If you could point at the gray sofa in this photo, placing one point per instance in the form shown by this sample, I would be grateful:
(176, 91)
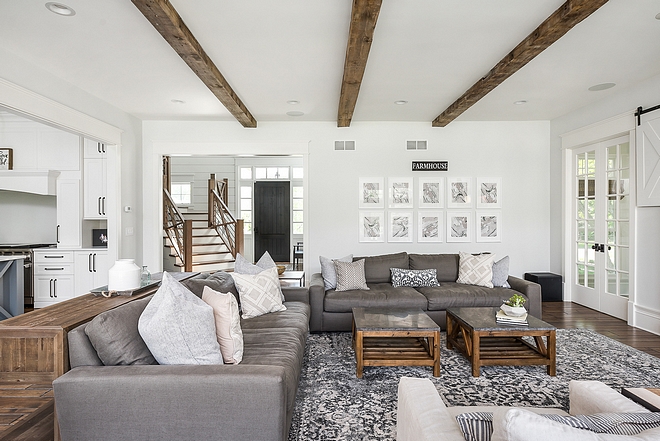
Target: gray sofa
(332, 310)
(251, 401)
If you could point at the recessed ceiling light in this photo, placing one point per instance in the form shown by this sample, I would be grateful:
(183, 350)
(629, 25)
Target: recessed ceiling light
(178, 101)
(519, 103)
(60, 9)
(602, 86)
(293, 102)
(295, 113)
(657, 17)
(400, 102)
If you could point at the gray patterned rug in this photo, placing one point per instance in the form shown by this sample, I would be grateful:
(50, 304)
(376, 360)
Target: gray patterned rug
(332, 404)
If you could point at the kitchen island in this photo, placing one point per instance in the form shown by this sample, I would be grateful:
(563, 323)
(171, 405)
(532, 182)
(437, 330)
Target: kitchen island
(11, 286)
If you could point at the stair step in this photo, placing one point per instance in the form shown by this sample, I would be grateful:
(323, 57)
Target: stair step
(210, 262)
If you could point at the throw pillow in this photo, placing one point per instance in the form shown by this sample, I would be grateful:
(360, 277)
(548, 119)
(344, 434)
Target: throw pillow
(227, 324)
(328, 270)
(242, 266)
(178, 327)
(350, 275)
(414, 278)
(476, 426)
(219, 281)
(612, 423)
(114, 334)
(476, 270)
(501, 273)
(260, 293)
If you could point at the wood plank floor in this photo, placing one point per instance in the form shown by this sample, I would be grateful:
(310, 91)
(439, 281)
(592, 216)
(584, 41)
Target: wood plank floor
(571, 315)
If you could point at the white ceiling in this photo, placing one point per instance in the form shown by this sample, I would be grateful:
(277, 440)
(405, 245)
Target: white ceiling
(427, 52)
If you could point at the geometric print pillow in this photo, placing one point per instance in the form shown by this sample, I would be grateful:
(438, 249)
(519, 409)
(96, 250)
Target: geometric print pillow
(260, 293)
(350, 275)
(476, 270)
(414, 278)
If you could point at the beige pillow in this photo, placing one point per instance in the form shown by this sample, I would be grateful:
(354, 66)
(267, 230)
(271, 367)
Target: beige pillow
(350, 275)
(227, 324)
(260, 293)
(476, 270)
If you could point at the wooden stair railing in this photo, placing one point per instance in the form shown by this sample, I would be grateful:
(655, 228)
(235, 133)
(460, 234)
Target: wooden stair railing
(178, 231)
(228, 228)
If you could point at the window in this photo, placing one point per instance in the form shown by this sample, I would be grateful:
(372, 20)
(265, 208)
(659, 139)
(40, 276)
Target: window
(246, 208)
(182, 193)
(297, 210)
(246, 173)
(297, 172)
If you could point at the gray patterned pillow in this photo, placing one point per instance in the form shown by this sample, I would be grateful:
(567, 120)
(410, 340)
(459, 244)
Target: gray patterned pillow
(476, 426)
(328, 270)
(414, 278)
(501, 273)
(350, 275)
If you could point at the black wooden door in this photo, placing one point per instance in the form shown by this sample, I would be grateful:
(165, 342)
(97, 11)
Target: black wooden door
(272, 220)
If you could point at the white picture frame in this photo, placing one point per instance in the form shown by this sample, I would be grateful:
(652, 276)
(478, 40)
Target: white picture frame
(489, 226)
(430, 226)
(430, 192)
(489, 192)
(371, 193)
(460, 192)
(400, 192)
(459, 226)
(400, 227)
(371, 226)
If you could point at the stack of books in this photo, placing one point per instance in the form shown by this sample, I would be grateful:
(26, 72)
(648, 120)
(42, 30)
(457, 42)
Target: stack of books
(504, 319)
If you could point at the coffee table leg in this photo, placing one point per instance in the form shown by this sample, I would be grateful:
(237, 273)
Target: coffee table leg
(436, 354)
(359, 353)
(476, 361)
(552, 354)
(450, 332)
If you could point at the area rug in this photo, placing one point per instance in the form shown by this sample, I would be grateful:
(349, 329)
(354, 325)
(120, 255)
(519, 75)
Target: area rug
(332, 404)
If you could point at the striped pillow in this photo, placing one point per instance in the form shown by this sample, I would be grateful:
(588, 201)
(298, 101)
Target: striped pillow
(476, 426)
(611, 423)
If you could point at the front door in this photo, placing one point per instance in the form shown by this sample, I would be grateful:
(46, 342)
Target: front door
(272, 220)
(601, 227)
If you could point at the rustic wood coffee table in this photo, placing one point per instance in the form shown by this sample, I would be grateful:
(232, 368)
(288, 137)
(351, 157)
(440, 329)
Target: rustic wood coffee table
(395, 337)
(475, 333)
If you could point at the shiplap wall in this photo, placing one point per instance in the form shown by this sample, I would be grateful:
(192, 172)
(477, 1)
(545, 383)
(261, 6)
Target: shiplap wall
(200, 168)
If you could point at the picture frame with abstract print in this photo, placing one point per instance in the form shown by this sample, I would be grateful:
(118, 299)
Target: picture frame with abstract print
(489, 192)
(459, 226)
(371, 226)
(400, 191)
(429, 226)
(371, 193)
(400, 228)
(430, 192)
(489, 226)
(460, 192)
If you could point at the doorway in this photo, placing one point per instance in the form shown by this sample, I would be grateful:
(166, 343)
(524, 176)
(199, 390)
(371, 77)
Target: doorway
(601, 226)
(272, 219)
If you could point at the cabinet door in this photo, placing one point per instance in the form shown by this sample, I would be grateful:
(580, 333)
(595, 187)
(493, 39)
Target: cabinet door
(68, 213)
(84, 272)
(94, 149)
(52, 289)
(101, 266)
(95, 194)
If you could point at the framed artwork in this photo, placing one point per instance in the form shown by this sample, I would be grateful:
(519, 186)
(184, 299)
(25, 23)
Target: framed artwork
(459, 192)
(371, 193)
(489, 192)
(371, 226)
(6, 158)
(400, 192)
(430, 192)
(401, 227)
(429, 226)
(459, 226)
(489, 226)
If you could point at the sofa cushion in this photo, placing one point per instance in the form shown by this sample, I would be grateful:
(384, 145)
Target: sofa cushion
(377, 268)
(227, 324)
(350, 275)
(452, 294)
(115, 337)
(219, 281)
(476, 269)
(178, 327)
(296, 315)
(380, 295)
(413, 278)
(260, 293)
(328, 271)
(501, 273)
(446, 265)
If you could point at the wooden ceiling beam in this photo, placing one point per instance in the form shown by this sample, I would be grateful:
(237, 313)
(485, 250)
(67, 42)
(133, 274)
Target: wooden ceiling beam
(552, 29)
(167, 21)
(363, 23)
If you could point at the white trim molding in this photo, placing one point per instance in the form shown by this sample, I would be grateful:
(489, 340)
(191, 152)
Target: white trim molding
(645, 318)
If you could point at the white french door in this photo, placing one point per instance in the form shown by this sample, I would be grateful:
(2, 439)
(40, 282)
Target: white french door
(601, 226)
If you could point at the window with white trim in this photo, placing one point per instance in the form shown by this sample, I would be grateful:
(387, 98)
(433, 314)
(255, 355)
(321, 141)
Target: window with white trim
(181, 193)
(297, 205)
(246, 208)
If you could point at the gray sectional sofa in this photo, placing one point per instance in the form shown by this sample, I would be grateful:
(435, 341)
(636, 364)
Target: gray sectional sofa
(332, 310)
(251, 401)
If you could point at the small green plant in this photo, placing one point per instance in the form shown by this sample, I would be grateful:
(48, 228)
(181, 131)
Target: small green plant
(516, 300)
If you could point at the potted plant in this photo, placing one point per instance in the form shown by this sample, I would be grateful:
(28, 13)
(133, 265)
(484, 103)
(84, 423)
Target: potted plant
(514, 306)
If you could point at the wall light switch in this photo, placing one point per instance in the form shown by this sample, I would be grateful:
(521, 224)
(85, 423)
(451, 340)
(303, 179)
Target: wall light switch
(129, 231)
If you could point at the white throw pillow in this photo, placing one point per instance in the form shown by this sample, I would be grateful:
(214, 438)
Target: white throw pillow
(260, 293)
(178, 327)
(227, 324)
(328, 270)
(350, 275)
(243, 266)
(476, 270)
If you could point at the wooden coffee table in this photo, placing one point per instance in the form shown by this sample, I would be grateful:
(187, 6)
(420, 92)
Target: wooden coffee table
(475, 333)
(395, 337)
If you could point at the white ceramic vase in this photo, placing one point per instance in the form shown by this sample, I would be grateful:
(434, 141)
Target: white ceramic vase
(124, 275)
(513, 311)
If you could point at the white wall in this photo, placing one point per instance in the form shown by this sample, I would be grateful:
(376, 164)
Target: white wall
(516, 151)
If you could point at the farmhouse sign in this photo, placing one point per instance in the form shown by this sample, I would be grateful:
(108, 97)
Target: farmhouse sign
(430, 166)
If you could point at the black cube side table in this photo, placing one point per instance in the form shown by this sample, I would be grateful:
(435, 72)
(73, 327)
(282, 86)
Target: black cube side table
(552, 289)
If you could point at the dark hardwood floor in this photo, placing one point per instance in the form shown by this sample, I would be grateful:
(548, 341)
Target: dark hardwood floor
(572, 315)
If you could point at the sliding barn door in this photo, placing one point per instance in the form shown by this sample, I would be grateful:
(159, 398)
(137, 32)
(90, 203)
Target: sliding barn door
(648, 160)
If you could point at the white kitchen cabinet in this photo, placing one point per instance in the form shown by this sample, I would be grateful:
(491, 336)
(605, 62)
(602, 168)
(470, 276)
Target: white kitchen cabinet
(68, 214)
(91, 270)
(53, 277)
(94, 149)
(95, 177)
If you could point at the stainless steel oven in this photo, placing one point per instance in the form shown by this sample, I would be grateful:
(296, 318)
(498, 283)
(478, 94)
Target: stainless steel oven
(28, 269)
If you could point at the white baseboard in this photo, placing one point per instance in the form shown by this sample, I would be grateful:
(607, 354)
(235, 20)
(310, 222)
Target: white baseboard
(646, 318)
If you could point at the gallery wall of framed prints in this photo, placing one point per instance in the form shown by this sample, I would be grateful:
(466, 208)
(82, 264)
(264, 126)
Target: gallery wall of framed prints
(430, 209)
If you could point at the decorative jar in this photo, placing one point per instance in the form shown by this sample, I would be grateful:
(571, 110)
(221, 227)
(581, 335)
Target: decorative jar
(124, 275)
